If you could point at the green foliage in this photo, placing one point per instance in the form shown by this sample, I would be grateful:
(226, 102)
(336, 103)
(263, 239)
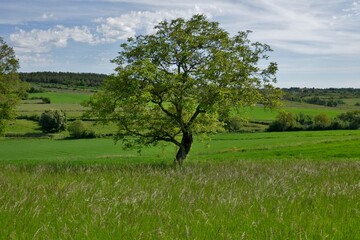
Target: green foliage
(181, 80)
(52, 121)
(321, 121)
(77, 129)
(317, 100)
(351, 119)
(285, 121)
(46, 100)
(64, 78)
(11, 88)
(234, 124)
(326, 97)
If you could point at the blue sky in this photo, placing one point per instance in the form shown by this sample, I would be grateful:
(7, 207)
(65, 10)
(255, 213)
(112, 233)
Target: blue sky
(315, 43)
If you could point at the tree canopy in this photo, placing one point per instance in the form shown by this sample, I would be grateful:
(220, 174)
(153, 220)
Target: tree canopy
(11, 88)
(182, 80)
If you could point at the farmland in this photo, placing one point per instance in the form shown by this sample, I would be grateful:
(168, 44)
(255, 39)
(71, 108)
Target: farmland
(287, 185)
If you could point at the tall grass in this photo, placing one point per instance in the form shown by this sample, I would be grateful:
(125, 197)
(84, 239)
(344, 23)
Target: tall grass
(237, 200)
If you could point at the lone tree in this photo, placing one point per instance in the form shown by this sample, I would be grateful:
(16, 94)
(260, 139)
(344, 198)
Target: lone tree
(11, 88)
(182, 80)
(53, 121)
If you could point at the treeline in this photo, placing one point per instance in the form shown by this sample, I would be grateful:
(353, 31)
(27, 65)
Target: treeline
(330, 97)
(64, 78)
(287, 121)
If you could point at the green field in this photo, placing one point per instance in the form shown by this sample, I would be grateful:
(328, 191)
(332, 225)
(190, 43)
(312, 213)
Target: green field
(287, 185)
(297, 185)
(63, 96)
(320, 145)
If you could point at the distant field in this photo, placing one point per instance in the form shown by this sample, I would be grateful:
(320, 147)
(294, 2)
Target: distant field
(63, 97)
(319, 145)
(68, 101)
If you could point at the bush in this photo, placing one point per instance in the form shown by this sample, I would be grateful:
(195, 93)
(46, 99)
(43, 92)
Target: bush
(52, 121)
(45, 100)
(233, 124)
(285, 121)
(321, 121)
(351, 119)
(77, 129)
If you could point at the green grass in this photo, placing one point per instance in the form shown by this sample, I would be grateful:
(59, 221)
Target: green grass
(68, 101)
(72, 109)
(294, 185)
(319, 145)
(238, 200)
(22, 126)
(63, 97)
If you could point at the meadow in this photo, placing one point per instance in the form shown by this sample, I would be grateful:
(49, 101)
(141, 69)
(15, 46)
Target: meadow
(288, 185)
(297, 185)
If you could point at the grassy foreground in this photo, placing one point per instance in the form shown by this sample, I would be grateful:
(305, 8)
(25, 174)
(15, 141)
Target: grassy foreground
(295, 185)
(238, 200)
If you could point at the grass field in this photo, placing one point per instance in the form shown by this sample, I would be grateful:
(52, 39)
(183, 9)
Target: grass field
(290, 185)
(328, 145)
(295, 185)
(63, 97)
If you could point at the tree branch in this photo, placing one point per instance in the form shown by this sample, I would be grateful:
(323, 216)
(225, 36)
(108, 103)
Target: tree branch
(195, 115)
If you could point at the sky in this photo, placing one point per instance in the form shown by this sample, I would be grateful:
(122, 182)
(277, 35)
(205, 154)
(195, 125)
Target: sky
(316, 43)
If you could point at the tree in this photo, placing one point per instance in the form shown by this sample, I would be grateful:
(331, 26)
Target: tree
(180, 81)
(11, 88)
(350, 119)
(285, 121)
(77, 129)
(52, 121)
(321, 121)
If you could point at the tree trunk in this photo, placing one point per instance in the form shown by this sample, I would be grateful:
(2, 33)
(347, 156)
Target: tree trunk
(184, 149)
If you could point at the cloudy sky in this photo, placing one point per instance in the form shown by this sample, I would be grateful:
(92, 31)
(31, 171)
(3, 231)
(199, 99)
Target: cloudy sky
(316, 43)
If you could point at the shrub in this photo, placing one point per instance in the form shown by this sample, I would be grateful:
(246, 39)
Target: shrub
(233, 124)
(321, 121)
(351, 119)
(285, 121)
(77, 129)
(45, 100)
(53, 121)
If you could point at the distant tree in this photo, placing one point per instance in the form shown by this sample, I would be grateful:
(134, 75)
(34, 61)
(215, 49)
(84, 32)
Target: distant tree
(285, 121)
(180, 81)
(350, 119)
(77, 129)
(52, 121)
(64, 78)
(304, 120)
(321, 121)
(11, 88)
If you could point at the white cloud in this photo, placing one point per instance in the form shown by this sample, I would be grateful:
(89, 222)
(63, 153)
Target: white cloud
(305, 27)
(47, 16)
(108, 30)
(40, 41)
(128, 25)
